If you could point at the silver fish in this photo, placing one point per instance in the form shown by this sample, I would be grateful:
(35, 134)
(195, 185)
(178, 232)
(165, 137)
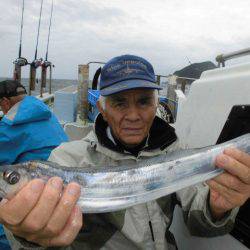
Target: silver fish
(110, 188)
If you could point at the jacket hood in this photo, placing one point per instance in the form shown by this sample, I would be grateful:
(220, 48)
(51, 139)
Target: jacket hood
(30, 109)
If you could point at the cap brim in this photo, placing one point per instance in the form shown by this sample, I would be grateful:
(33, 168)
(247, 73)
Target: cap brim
(128, 85)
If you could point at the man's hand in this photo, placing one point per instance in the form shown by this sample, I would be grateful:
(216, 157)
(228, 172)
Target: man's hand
(232, 188)
(45, 214)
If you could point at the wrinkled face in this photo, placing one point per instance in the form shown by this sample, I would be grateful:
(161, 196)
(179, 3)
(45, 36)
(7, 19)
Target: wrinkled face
(130, 115)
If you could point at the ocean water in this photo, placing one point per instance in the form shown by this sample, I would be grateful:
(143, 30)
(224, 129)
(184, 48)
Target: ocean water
(56, 84)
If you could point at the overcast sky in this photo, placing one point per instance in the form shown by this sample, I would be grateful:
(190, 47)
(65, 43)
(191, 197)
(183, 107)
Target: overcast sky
(166, 32)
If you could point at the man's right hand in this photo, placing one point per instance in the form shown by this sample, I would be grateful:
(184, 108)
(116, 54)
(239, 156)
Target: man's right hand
(44, 213)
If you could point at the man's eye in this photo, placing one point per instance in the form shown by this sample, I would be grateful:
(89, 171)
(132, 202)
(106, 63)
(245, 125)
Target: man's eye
(145, 101)
(120, 104)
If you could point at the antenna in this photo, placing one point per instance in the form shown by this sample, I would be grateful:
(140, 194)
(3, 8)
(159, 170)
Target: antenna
(188, 60)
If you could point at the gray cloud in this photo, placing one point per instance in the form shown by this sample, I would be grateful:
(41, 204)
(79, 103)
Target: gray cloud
(87, 12)
(165, 32)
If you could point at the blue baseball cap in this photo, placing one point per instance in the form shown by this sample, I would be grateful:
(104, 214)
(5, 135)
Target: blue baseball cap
(126, 72)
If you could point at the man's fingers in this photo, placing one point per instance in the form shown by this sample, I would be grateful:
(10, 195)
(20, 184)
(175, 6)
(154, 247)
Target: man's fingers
(239, 155)
(63, 210)
(232, 182)
(15, 210)
(234, 167)
(232, 197)
(71, 229)
(41, 213)
(69, 233)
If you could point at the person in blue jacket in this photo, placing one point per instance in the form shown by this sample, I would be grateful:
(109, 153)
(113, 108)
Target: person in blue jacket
(28, 130)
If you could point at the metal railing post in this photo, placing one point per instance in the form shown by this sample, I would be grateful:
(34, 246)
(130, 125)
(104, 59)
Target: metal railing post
(83, 81)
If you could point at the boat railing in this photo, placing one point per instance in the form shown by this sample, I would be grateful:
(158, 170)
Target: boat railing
(95, 63)
(221, 59)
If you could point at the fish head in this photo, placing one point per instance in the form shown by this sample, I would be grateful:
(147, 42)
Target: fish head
(12, 179)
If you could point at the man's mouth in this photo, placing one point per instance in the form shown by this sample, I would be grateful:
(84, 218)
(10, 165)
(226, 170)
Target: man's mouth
(132, 130)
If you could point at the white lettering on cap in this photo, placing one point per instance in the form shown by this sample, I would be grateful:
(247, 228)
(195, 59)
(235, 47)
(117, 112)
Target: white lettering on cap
(135, 62)
(113, 67)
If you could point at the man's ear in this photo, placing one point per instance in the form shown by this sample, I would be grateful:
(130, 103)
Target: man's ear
(101, 110)
(5, 99)
(5, 105)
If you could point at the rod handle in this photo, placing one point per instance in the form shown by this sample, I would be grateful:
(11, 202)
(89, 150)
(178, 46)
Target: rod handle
(32, 80)
(43, 77)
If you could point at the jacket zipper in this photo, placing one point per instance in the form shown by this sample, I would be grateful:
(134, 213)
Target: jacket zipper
(151, 230)
(150, 225)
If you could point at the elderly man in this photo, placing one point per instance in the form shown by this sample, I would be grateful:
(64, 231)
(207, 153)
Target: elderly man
(126, 131)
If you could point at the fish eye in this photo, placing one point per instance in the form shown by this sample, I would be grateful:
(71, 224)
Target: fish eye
(11, 177)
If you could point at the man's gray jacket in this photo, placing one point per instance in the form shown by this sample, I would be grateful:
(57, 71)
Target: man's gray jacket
(143, 226)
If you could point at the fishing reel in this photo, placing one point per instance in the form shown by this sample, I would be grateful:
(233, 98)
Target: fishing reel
(37, 63)
(46, 64)
(21, 61)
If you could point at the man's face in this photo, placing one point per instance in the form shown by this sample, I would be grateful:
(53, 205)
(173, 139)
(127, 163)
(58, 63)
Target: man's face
(130, 115)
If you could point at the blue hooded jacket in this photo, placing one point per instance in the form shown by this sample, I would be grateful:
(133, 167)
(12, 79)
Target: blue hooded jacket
(29, 131)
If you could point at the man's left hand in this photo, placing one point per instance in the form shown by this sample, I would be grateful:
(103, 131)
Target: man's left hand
(232, 188)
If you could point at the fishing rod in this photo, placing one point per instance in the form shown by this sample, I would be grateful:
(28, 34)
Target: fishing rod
(20, 61)
(47, 63)
(36, 62)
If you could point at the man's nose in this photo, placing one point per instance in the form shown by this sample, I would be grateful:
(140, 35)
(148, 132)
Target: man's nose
(133, 113)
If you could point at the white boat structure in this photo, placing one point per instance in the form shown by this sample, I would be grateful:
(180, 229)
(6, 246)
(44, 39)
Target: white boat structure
(216, 109)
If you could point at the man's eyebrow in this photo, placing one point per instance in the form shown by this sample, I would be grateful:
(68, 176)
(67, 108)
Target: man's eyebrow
(117, 98)
(146, 97)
